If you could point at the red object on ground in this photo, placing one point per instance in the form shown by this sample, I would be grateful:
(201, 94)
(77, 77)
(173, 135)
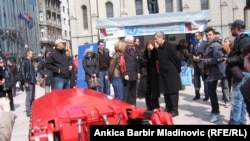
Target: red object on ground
(64, 115)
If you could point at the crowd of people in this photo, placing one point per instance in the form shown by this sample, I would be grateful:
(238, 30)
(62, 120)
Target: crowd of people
(146, 72)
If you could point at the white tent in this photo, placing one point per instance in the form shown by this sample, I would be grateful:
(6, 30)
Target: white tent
(154, 19)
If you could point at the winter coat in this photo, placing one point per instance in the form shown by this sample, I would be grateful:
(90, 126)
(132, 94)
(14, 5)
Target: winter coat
(214, 68)
(169, 69)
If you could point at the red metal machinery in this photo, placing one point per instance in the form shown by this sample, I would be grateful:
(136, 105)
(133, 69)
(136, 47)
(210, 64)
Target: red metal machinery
(64, 115)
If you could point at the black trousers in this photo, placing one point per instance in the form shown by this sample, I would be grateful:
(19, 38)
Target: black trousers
(10, 96)
(198, 74)
(212, 91)
(129, 94)
(171, 102)
(152, 103)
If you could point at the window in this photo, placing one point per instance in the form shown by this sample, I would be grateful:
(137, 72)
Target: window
(63, 9)
(64, 21)
(169, 5)
(41, 16)
(85, 17)
(65, 32)
(109, 10)
(138, 7)
(42, 32)
(179, 5)
(204, 4)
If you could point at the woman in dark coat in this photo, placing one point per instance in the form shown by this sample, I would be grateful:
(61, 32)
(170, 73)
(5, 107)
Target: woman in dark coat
(46, 73)
(149, 78)
(90, 65)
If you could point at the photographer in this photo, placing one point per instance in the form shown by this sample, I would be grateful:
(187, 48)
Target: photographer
(235, 70)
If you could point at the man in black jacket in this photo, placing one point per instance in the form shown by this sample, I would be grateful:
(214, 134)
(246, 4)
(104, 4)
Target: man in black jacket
(169, 73)
(29, 78)
(235, 62)
(60, 65)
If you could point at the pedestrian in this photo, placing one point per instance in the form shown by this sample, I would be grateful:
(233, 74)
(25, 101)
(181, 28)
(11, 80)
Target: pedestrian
(72, 75)
(103, 58)
(60, 66)
(245, 87)
(149, 76)
(90, 66)
(199, 75)
(169, 73)
(117, 69)
(234, 70)
(9, 83)
(214, 69)
(29, 78)
(132, 74)
(46, 73)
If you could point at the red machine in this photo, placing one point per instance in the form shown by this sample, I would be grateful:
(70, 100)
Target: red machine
(66, 115)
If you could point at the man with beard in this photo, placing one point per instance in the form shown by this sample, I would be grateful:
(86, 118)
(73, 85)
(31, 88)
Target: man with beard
(235, 70)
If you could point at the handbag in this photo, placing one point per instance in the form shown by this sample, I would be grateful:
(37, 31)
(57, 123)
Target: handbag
(94, 82)
(186, 76)
(41, 82)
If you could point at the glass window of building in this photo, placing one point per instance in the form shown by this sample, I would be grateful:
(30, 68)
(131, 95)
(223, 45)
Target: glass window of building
(169, 5)
(85, 17)
(179, 5)
(138, 7)
(204, 4)
(109, 10)
(40, 16)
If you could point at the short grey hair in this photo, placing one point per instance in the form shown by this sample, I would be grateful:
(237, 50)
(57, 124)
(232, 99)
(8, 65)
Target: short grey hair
(160, 34)
(129, 38)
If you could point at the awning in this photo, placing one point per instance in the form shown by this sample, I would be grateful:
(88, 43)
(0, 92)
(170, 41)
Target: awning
(155, 19)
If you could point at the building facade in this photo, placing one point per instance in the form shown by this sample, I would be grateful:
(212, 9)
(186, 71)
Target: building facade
(18, 28)
(84, 14)
(65, 22)
(49, 22)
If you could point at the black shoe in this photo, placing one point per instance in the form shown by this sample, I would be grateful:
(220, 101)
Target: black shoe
(196, 98)
(174, 114)
(205, 99)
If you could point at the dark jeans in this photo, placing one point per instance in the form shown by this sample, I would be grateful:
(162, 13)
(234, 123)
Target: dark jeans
(212, 91)
(30, 97)
(61, 83)
(105, 85)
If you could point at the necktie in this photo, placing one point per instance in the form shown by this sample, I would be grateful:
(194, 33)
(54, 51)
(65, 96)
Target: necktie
(132, 52)
(197, 47)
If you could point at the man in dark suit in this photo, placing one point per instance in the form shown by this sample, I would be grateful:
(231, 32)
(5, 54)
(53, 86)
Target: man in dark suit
(131, 75)
(198, 52)
(169, 73)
